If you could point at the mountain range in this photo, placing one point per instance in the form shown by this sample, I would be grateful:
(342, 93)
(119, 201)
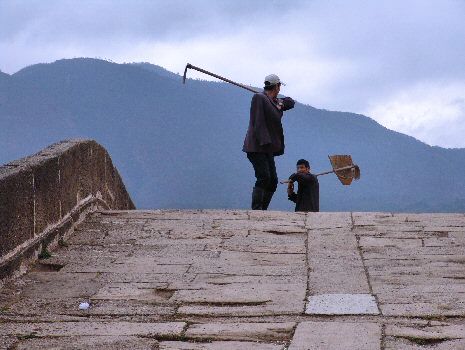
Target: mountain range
(179, 146)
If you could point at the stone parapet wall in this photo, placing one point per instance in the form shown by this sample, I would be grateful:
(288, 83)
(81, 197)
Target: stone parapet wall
(43, 196)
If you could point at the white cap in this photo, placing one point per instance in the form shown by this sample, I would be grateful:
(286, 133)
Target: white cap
(272, 79)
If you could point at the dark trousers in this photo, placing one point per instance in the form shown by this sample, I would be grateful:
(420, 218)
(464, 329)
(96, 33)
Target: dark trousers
(265, 171)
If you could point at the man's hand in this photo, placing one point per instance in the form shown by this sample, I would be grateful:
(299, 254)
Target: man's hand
(290, 188)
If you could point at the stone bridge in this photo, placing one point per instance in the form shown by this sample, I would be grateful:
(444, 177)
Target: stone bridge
(214, 279)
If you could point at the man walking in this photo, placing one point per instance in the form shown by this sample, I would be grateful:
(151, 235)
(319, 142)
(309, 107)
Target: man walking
(307, 197)
(265, 139)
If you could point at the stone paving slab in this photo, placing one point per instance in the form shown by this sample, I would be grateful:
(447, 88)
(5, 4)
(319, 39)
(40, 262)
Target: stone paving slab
(230, 279)
(427, 332)
(336, 336)
(219, 345)
(444, 336)
(92, 328)
(419, 344)
(84, 342)
(334, 259)
(242, 331)
(342, 304)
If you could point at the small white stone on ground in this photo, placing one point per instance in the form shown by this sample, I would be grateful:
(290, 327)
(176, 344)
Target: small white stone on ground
(84, 306)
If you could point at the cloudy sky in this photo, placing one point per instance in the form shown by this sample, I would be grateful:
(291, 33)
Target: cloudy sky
(399, 62)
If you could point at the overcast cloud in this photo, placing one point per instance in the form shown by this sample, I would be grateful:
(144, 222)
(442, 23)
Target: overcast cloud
(399, 62)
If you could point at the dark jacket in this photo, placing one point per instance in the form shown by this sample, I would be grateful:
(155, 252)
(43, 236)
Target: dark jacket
(265, 132)
(308, 194)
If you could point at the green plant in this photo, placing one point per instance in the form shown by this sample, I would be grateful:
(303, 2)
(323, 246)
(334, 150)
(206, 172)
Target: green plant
(4, 309)
(31, 335)
(45, 254)
(63, 243)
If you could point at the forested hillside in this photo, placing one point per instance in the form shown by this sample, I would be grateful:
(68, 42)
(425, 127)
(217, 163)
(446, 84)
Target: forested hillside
(179, 146)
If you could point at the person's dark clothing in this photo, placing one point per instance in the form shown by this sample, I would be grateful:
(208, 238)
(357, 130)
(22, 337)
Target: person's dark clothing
(263, 141)
(265, 171)
(265, 132)
(261, 199)
(308, 193)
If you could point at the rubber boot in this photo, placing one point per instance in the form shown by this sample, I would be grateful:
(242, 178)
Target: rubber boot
(257, 198)
(267, 199)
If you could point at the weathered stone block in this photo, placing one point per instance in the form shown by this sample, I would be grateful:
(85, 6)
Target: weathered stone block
(46, 194)
(42, 196)
(16, 208)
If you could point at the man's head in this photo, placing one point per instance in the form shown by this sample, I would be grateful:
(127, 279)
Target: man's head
(273, 83)
(303, 166)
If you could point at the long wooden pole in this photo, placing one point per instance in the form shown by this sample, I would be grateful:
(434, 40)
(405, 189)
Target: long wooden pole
(216, 76)
(325, 173)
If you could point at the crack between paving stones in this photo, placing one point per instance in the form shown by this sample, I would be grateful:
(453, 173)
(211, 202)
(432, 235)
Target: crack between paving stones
(365, 268)
(207, 340)
(261, 252)
(425, 341)
(226, 303)
(307, 266)
(288, 343)
(272, 318)
(383, 337)
(243, 275)
(184, 329)
(283, 233)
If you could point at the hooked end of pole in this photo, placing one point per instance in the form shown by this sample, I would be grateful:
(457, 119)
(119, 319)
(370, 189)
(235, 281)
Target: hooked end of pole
(185, 72)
